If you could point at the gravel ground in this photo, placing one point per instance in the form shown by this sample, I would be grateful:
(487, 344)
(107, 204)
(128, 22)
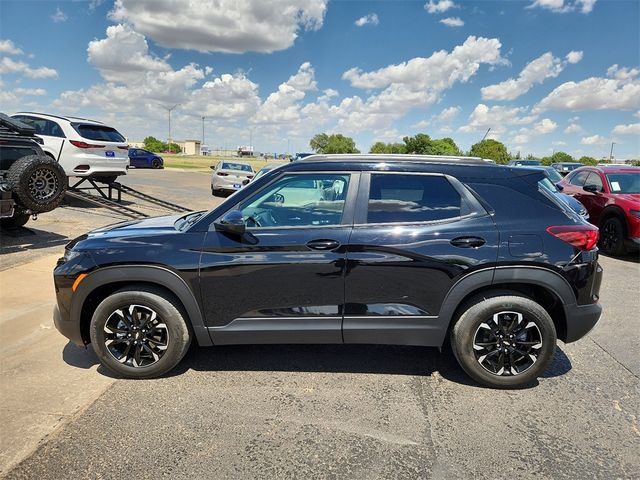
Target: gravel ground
(352, 411)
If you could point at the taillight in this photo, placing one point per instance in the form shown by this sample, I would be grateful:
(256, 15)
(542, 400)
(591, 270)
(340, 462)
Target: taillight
(584, 237)
(78, 144)
(222, 174)
(123, 147)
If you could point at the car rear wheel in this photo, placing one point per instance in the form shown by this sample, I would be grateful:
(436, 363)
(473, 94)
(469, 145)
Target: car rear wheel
(139, 332)
(612, 237)
(505, 341)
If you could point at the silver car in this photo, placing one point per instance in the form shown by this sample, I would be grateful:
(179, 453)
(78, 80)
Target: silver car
(228, 176)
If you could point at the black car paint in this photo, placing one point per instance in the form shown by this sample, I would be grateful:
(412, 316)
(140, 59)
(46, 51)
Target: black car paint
(388, 283)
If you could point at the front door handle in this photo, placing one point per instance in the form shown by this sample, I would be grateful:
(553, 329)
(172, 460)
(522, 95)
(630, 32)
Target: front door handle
(323, 244)
(468, 242)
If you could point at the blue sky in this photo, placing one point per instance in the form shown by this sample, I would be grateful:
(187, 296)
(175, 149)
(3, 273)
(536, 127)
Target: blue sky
(544, 75)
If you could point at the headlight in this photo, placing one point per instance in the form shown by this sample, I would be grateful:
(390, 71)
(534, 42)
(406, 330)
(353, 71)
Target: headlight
(70, 254)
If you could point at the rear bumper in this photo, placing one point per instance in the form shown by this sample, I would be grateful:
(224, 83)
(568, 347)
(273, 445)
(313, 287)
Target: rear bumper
(580, 320)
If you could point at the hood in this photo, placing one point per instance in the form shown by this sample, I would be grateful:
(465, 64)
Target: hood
(154, 226)
(633, 198)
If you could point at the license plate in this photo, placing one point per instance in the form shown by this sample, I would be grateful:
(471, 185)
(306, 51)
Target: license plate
(237, 185)
(110, 153)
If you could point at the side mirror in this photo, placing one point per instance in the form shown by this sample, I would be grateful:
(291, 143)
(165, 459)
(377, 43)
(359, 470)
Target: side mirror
(591, 188)
(559, 186)
(231, 222)
(212, 167)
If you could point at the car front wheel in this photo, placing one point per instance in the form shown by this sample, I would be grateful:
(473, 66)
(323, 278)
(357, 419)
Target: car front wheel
(139, 332)
(505, 341)
(612, 237)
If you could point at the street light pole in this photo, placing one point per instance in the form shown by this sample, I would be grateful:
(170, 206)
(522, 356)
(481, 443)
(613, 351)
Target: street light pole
(611, 152)
(169, 110)
(202, 131)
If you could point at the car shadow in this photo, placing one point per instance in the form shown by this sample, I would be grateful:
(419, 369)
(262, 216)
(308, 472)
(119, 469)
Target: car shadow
(26, 238)
(633, 257)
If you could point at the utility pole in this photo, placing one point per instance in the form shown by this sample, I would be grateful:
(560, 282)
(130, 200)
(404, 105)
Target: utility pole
(611, 152)
(485, 135)
(202, 131)
(169, 111)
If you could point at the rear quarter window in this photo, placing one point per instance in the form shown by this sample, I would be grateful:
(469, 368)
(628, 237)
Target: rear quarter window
(98, 132)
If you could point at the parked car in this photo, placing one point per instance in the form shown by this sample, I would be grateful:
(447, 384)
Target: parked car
(30, 181)
(566, 167)
(397, 249)
(229, 176)
(524, 163)
(300, 156)
(611, 195)
(141, 158)
(267, 168)
(556, 188)
(84, 148)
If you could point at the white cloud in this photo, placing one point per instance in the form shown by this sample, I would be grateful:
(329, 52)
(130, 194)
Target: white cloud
(452, 22)
(222, 25)
(621, 91)
(59, 16)
(574, 56)
(564, 6)
(371, 19)
(439, 6)
(535, 72)
(34, 92)
(123, 54)
(93, 4)
(573, 128)
(545, 126)
(498, 118)
(7, 65)
(594, 140)
(415, 83)
(8, 47)
(630, 129)
(448, 114)
(282, 106)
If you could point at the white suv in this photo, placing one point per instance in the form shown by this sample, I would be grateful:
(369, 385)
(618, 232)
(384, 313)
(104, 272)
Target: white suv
(84, 148)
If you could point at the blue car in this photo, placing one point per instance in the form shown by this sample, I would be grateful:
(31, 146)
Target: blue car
(140, 158)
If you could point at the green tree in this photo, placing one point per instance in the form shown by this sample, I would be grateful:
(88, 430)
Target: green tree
(381, 147)
(423, 144)
(558, 157)
(154, 145)
(588, 160)
(334, 143)
(492, 149)
(173, 147)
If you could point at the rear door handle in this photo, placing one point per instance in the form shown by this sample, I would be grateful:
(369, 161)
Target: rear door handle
(323, 244)
(468, 242)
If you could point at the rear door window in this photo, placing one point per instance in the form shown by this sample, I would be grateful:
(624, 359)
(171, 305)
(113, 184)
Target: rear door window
(397, 198)
(98, 132)
(579, 178)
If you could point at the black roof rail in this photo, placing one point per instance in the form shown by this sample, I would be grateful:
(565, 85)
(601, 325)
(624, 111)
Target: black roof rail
(394, 157)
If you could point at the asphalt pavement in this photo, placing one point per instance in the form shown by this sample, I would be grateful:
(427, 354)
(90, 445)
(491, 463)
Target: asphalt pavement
(337, 411)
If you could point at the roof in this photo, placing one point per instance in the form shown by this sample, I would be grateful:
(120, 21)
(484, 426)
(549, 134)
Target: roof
(617, 168)
(382, 157)
(61, 117)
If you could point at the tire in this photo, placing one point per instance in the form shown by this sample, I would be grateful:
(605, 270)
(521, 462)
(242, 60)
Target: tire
(155, 163)
(612, 237)
(16, 221)
(473, 339)
(107, 179)
(169, 340)
(38, 181)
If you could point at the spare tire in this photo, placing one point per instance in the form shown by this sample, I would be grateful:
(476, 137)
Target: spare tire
(38, 182)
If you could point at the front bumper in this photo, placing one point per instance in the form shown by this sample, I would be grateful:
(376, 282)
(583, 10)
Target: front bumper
(66, 327)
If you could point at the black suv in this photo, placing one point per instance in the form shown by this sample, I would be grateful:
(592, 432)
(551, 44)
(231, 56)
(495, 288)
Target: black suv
(375, 249)
(30, 181)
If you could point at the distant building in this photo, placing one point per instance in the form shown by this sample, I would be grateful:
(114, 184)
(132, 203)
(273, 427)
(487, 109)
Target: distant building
(245, 151)
(189, 147)
(133, 144)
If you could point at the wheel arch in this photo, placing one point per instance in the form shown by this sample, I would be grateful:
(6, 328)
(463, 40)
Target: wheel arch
(614, 211)
(103, 282)
(544, 286)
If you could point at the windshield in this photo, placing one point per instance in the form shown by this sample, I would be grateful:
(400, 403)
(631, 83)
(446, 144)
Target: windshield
(624, 182)
(98, 132)
(243, 167)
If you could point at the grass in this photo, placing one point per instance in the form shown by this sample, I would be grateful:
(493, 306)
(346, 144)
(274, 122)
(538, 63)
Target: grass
(201, 163)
